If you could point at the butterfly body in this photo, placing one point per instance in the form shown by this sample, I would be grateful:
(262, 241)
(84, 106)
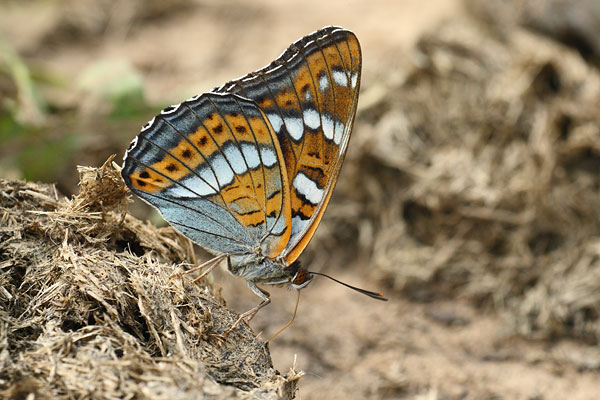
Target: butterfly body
(247, 170)
(257, 268)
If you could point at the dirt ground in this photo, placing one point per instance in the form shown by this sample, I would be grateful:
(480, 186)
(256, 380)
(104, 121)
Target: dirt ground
(485, 237)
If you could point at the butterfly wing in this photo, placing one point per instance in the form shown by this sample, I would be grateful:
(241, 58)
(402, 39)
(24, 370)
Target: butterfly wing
(309, 94)
(212, 166)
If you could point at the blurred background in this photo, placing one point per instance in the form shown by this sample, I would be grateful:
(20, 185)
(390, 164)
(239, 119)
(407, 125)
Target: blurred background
(470, 193)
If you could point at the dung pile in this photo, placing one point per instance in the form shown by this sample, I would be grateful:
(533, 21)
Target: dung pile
(479, 175)
(87, 308)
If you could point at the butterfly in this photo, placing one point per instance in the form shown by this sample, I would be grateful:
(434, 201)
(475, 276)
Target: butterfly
(247, 170)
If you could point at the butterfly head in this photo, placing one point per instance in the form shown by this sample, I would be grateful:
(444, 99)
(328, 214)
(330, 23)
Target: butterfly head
(301, 278)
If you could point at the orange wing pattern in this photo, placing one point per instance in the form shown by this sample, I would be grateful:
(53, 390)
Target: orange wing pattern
(213, 167)
(309, 94)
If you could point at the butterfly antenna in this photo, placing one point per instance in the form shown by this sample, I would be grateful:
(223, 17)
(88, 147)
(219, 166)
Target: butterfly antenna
(374, 295)
(291, 320)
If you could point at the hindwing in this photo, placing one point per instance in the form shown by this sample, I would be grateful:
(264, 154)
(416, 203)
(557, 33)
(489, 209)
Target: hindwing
(309, 94)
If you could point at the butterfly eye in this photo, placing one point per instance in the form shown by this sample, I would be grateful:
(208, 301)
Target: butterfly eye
(301, 279)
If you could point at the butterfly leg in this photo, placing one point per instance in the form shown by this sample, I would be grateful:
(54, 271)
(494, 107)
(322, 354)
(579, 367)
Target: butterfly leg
(209, 265)
(248, 315)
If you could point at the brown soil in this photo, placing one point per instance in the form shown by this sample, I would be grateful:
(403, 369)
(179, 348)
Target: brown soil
(470, 194)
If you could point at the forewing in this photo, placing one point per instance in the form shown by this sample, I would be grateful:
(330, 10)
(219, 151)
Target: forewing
(309, 94)
(212, 166)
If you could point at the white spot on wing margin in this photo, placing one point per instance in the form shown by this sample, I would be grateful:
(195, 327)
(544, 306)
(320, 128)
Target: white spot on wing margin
(307, 188)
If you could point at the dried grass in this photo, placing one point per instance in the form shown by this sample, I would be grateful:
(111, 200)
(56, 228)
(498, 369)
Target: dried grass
(88, 309)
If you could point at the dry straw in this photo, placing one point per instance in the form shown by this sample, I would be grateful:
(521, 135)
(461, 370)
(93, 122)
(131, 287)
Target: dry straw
(88, 309)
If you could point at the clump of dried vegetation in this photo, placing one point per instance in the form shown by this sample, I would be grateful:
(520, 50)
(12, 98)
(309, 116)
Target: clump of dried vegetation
(88, 309)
